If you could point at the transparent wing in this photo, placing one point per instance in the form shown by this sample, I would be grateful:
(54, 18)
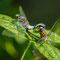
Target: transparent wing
(53, 27)
(57, 27)
(21, 11)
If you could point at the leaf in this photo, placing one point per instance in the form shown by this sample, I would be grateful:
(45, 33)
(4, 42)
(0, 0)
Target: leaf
(18, 39)
(54, 38)
(8, 33)
(48, 51)
(6, 22)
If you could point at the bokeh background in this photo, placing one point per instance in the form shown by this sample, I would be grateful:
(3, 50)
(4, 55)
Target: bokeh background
(36, 11)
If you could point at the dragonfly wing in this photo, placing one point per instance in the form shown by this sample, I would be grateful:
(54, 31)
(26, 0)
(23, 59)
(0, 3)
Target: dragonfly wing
(57, 27)
(49, 33)
(22, 12)
(26, 22)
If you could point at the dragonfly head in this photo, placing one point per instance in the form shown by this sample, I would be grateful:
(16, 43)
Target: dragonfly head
(17, 15)
(41, 25)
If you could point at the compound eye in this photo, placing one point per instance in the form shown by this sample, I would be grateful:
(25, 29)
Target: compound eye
(41, 25)
(17, 15)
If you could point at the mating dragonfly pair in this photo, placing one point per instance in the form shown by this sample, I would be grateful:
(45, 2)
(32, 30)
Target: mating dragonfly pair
(41, 28)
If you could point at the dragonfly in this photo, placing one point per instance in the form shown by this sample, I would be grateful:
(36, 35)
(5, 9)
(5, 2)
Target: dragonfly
(43, 35)
(40, 27)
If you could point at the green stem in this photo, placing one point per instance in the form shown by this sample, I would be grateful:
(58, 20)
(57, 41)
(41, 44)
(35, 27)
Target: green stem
(25, 51)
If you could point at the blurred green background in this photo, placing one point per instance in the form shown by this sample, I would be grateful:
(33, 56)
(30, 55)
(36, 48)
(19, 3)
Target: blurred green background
(37, 11)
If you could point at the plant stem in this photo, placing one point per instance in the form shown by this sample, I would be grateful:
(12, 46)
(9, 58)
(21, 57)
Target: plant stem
(25, 51)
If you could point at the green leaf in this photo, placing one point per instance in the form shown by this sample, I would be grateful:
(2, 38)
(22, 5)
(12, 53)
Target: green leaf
(18, 39)
(6, 22)
(8, 33)
(54, 38)
(48, 51)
